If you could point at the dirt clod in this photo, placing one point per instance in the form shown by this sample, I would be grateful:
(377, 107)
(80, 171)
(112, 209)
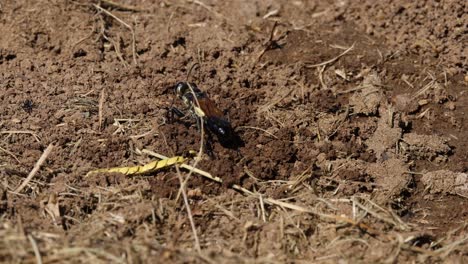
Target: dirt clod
(446, 182)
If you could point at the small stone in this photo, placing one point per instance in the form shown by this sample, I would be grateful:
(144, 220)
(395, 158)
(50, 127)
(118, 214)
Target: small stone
(451, 106)
(423, 102)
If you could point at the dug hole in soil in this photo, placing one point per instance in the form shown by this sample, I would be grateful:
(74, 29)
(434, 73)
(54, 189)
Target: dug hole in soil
(352, 117)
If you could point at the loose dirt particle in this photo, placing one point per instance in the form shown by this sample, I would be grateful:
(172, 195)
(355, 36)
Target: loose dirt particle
(367, 99)
(385, 137)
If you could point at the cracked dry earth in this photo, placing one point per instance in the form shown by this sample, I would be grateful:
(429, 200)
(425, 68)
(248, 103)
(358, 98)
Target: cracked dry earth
(352, 114)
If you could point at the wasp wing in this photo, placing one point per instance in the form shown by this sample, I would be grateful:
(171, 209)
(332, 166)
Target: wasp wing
(214, 118)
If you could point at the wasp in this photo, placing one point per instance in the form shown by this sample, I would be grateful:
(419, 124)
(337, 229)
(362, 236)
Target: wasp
(205, 111)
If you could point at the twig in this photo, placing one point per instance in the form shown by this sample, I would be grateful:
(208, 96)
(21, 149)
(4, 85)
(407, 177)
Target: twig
(126, 25)
(207, 8)
(119, 6)
(353, 89)
(83, 39)
(36, 167)
(88, 251)
(395, 217)
(135, 137)
(268, 44)
(340, 122)
(271, 13)
(404, 78)
(101, 105)
(227, 212)
(117, 49)
(202, 129)
(445, 251)
(424, 89)
(37, 253)
(320, 71)
(377, 215)
(258, 128)
(302, 90)
(10, 153)
(10, 132)
(262, 207)
(332, 60)
(189, 211)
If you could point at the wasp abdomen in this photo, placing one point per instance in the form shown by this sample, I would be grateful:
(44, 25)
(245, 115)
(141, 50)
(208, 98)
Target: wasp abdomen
(219, 126)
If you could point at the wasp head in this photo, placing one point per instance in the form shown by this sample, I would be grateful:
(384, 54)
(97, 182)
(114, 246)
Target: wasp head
(181, 88)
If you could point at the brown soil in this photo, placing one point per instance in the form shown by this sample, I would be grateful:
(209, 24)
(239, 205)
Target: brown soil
(354, 112)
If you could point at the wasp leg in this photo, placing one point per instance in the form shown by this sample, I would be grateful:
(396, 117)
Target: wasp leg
(172, 112)
(209, 145)
(177, 112)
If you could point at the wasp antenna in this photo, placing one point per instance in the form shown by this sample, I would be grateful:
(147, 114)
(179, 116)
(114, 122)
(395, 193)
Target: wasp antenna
(196, 64)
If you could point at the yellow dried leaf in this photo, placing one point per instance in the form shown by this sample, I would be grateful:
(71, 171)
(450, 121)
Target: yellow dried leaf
(148, 168)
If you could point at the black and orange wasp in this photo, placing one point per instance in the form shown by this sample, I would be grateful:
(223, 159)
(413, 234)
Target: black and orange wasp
(204, 110)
